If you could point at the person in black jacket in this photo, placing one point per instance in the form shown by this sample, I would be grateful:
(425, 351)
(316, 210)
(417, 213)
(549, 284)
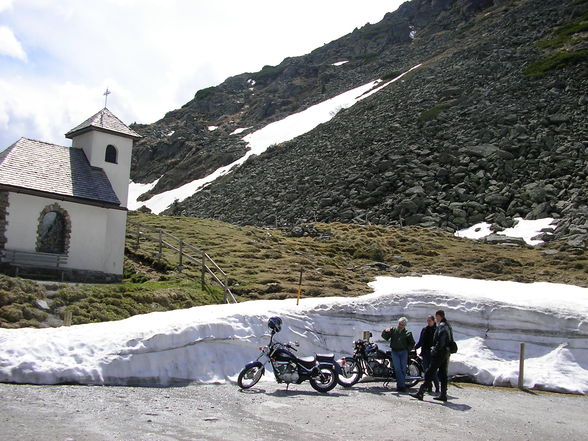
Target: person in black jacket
(425, 343)
(439, 358)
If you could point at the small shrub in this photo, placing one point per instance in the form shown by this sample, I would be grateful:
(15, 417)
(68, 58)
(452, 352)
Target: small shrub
(557, 61)
(434, 112)
(139, 278)
(11, 313)
(267, 73)
(206, 93)
(339, 285)
(128, 271)
(370, 253)
(312, 292)
(391, 75)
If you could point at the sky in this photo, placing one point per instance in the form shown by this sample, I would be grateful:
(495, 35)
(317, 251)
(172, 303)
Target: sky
(210, 344)
(58, 57)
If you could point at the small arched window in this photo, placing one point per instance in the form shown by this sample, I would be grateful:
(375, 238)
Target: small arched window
(111, 154)
(52, 231)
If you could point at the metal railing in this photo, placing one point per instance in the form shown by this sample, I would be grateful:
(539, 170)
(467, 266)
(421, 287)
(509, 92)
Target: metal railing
(139, 232)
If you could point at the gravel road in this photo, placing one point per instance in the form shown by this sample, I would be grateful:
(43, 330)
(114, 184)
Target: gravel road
(368, 411)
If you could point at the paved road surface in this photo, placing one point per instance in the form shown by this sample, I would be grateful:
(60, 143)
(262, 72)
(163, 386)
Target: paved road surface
(367, 411)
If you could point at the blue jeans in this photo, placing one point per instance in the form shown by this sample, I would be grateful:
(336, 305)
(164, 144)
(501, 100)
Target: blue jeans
(400, 361)
(426, 355)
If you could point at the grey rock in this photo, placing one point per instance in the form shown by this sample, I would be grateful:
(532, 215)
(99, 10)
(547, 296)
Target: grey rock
(500, 239)
(42, 304)
(400, 269)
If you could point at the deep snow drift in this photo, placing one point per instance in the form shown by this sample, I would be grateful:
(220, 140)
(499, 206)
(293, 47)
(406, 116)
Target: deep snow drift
(212, 343)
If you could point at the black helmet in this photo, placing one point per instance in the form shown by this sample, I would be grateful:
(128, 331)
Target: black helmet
(275, 324)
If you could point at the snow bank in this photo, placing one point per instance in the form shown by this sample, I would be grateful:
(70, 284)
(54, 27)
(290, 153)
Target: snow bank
(212, 343)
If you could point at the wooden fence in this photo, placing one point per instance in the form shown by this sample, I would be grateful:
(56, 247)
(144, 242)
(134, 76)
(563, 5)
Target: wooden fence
(186, 252)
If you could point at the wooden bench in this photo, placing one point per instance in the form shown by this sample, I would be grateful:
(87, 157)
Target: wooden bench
(31, 259)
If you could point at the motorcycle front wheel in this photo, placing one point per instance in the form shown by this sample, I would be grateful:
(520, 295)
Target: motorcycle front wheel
(325, 381)
(350, 372)
(249, 377)
(414, 374)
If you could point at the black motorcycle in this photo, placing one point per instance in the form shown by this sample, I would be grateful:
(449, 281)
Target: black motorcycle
(369, 360)
(287, 367)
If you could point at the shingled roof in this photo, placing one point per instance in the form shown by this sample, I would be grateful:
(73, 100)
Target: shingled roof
(103, 121)
(48, 168)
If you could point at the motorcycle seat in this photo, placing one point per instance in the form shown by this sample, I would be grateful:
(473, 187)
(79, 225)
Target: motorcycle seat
(307, 362)
(325, 357)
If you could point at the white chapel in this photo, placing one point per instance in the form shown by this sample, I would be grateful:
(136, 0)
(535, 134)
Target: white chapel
(64, 209)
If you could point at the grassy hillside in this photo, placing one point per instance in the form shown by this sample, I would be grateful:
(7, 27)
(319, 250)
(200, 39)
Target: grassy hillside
(335, 259)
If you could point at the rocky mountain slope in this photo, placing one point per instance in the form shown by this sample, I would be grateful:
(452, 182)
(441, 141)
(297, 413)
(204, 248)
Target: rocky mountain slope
(493, 125)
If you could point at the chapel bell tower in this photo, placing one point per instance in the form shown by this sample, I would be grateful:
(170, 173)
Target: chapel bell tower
(108, 144)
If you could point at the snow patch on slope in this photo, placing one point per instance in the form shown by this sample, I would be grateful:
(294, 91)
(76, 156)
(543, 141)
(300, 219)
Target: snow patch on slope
(525, 229)
(275, 133)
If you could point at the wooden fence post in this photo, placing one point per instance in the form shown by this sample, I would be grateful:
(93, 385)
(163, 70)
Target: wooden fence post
(160, 254)
(203, 269)
(226, 289)
(522, 367)
(67, 318)
(138, 236)
(181, 261)
(299, 288)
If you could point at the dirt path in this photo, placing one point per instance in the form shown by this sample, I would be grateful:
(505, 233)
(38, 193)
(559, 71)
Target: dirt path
(367, 411)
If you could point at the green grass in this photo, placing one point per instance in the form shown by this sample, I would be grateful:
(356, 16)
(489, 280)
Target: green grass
(567, 34)
(564, 48)
(97, 303)
(18, 303)
(391, 75)
(434, 112)
(559, 60)
(336, 260)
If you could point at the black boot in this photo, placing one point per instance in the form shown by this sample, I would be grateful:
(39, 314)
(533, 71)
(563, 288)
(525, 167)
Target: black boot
(443, 395)
(420, 394)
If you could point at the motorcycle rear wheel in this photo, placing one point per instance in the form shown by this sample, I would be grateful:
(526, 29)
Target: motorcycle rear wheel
(249, 377)
(326, 381)
(413, 370)
(350, 372)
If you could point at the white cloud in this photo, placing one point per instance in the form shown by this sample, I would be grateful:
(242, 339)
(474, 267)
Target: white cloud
(5, 5)
(152, 57)
(10, 46)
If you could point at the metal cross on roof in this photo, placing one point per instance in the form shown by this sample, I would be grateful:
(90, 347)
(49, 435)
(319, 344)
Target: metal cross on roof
(106, 93)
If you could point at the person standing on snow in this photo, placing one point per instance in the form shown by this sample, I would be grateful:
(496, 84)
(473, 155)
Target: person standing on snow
(401, 341)
(439, 358)
(426, 343)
